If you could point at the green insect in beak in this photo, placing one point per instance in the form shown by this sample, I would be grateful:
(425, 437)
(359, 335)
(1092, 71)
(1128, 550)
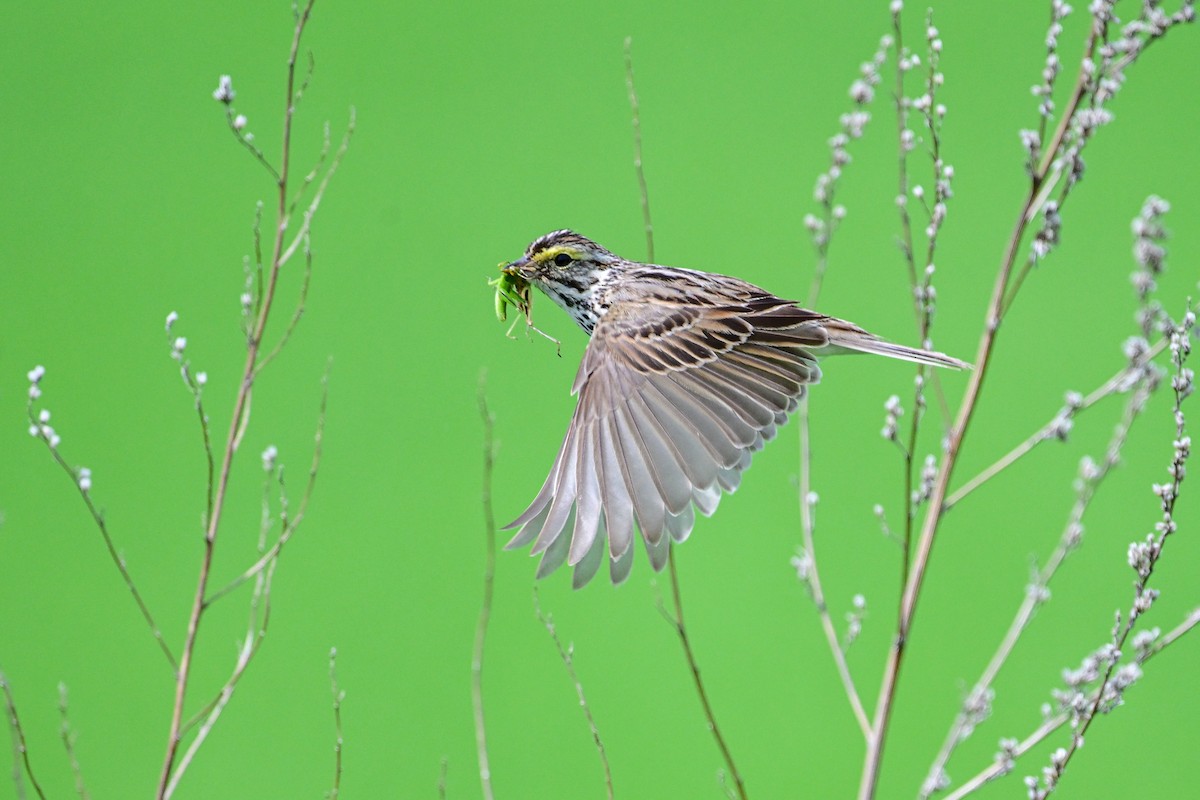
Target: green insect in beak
(513, 290)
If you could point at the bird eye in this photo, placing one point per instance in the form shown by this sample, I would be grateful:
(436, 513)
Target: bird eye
(562, 259)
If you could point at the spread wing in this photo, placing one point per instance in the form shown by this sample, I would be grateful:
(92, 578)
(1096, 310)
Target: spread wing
(673, 400)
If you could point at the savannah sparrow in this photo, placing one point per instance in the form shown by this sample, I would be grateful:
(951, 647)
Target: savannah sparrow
(687, 374)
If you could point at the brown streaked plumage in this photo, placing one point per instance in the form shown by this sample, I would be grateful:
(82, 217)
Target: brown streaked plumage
(686, 375)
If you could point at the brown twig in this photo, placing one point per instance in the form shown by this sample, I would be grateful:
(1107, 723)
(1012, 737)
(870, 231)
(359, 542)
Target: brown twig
(676, 620)
(256, 631)
(21, 763)
(290, 522)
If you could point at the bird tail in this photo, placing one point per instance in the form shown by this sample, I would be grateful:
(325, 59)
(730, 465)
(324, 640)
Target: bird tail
(852, 339)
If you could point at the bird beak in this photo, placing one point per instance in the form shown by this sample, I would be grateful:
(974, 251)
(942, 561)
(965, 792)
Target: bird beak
(521, 268)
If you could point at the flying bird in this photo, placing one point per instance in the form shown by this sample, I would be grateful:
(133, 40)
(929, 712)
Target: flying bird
(686, 375)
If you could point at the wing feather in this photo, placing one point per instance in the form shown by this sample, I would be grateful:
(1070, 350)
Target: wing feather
(618, 507)
(673, 402)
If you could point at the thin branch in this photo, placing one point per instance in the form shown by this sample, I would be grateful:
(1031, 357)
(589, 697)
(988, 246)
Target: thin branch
(1002, 767)
(853, 126)
(21, 764)
(812, 577)
(338, 697)
(256, 631)
(489, 577)
(247, 141)
(1113, 385)
(677, 623)
(68, 740)
(999, 767)
(311, 211)
(47, 435)
(637, 149)
(311, 175)
(1143, 557)
(567, 654)
(290, 523)
(297, 313)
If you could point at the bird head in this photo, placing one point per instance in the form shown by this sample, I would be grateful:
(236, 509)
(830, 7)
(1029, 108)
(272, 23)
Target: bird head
(566, 267)
(557, 256)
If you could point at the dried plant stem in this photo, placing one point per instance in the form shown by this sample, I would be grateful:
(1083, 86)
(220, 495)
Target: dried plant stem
(906, 236)
(183, 673)
(1109, 387)
(113, 554)
(920, 560)
(485, 608)
(68, 740)
(21, 763)
(676, 619)
(290, 522)
(338, 697)
(1035, 595)
(954, 440)
(568, 659)
(997, 769)
(1182, 385)
(813, 577)
(256, 631)
(637, 149)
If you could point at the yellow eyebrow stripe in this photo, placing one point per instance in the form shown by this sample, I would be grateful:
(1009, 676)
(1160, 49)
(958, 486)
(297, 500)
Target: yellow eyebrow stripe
(550, 252)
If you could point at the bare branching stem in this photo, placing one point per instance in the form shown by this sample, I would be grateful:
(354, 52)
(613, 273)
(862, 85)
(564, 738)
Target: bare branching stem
(237, 422)
(998, 768)
(954, 440)
(1046, 432)
(677, 618)
(1037, 592)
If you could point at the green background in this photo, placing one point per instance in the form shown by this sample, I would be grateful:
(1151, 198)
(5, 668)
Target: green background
(482, 126)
